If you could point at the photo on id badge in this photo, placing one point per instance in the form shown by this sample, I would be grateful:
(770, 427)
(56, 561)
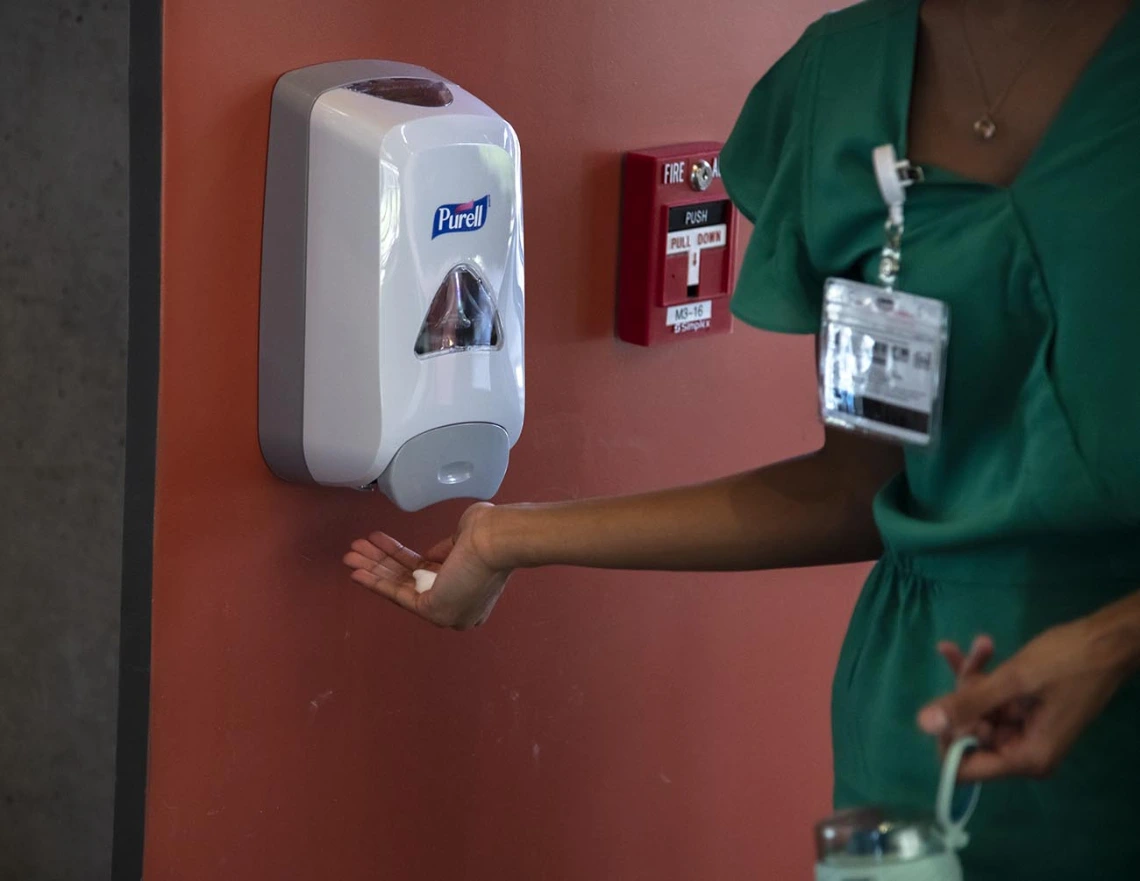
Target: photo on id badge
(882, 352)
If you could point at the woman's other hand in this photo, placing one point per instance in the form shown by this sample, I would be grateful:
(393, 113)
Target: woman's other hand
(1028, 712)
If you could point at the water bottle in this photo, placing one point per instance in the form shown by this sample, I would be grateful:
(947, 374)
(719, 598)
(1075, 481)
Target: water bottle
(880, 844)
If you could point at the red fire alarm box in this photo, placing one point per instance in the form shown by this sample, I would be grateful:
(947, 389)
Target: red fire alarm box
(678, 245)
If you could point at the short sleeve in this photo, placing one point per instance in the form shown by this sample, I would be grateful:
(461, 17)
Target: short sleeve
(763, 165)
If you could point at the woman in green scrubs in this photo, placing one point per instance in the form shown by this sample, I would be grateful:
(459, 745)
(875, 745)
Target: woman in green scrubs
(1018, 533)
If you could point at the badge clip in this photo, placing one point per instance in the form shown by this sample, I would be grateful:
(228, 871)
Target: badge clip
(893, 176)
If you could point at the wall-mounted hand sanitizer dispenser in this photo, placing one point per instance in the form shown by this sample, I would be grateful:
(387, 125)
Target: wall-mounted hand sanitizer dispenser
(391, 348)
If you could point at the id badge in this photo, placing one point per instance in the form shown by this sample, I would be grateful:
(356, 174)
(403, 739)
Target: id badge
(882, 352)
(882, 361)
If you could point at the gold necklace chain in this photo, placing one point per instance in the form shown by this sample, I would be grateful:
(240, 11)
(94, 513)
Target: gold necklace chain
(985, 127)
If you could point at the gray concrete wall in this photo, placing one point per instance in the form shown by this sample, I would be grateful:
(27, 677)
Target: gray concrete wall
(63, 311)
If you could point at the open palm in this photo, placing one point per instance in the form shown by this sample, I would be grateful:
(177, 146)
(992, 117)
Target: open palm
(466, 586)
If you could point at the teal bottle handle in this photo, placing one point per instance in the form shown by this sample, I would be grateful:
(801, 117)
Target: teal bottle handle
(955, 828)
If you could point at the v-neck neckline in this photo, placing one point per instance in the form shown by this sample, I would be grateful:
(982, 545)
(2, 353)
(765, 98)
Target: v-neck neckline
(933, 170)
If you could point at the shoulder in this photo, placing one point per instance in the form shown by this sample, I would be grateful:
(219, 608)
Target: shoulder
(839, 64)
(854, 44)
(852, 39)
(849, 22)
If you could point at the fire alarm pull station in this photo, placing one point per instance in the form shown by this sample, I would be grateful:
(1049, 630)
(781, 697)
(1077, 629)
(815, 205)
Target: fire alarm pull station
(678, 237)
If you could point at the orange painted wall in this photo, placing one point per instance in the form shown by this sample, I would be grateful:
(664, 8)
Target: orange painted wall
(601, 726)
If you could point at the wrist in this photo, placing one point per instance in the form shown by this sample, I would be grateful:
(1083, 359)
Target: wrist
(498, 536)
(1115, 632)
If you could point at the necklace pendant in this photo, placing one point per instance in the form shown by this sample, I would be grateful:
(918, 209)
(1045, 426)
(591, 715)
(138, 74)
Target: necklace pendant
(985, 128)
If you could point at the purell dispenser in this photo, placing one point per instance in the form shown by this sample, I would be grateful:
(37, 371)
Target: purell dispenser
(391, 348)
(881, 844)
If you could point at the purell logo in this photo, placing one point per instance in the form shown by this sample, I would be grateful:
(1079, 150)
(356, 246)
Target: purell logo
(465, 217)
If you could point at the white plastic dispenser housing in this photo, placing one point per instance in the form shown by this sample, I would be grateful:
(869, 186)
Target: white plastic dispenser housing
(391, 351)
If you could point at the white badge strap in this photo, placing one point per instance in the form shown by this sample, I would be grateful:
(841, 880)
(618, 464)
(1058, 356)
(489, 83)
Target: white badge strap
(894, 177)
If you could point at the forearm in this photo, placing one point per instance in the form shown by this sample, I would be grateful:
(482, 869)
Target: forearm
(814, 510)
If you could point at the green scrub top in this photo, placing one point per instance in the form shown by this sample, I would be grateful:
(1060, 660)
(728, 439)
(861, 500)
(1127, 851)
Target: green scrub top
(1027, 512)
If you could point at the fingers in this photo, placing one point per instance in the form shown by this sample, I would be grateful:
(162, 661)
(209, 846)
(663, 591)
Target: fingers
(1020, 755)
(981, 653)
(406, 557)
(460, 600)
(439, 551)
(356, 559)
(384, 566)
(982, 765)
(400, 591)
(366, 549)
(984, 731)
(952, 655)
(973, 700)
(963, 666)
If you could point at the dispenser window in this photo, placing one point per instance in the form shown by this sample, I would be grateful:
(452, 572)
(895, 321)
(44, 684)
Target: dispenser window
(462, 317)
(417, 91)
